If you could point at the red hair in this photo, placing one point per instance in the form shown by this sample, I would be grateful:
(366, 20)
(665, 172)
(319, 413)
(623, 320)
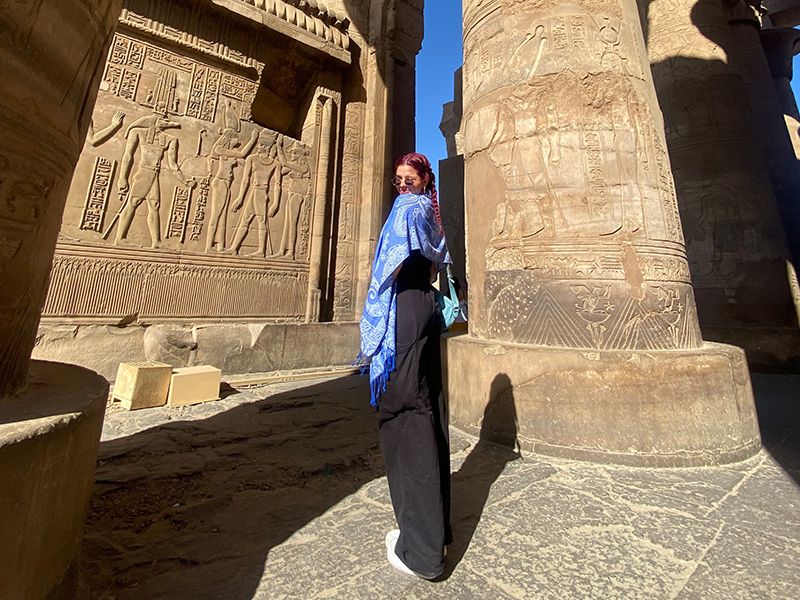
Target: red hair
(421, 164)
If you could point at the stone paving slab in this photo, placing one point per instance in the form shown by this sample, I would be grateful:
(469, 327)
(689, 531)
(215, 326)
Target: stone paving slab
(279, 492)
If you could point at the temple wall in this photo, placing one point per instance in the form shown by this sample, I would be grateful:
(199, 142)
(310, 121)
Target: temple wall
(223, 179)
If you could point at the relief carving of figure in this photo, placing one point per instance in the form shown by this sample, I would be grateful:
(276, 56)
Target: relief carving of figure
(299, 189)
(224, 157)
(147, 134)
(260, 189)
(96, 138)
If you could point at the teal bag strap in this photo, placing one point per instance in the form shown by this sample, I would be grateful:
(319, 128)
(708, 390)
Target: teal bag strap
(449, 306)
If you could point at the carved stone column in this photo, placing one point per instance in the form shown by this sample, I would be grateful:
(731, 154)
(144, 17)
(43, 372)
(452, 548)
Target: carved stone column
(583, 327)
(328, 110)
(780, 46)
(44, 113)
(51, 58)
(706, 63)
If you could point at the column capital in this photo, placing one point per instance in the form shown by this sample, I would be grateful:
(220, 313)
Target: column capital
(780, 44)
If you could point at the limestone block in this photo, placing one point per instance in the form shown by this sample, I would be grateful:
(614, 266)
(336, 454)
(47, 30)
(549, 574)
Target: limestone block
(171, 344)
(142, 384)
(191, 385)
(320, 345)
(230, 346)
(100, 348)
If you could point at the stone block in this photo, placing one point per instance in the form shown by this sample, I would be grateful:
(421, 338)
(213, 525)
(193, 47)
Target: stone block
(320, 345)
(171, 343)
(97, 347)
(142, 384)
(230, 347)
(191, 385)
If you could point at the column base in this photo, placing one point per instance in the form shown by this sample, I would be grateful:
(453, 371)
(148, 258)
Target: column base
(663, 409)
(768, 349)
(49, 434)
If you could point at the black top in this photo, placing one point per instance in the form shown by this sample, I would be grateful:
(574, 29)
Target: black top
(415, 273)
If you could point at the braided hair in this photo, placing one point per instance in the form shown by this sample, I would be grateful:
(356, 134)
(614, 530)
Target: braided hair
(421, 164)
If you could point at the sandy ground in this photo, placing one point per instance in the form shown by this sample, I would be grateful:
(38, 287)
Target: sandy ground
(279, 492)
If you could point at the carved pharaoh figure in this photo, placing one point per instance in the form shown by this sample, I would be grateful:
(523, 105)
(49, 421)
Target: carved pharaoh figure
(298, 169)
(224, 157)
(147, 134)
(259, 193)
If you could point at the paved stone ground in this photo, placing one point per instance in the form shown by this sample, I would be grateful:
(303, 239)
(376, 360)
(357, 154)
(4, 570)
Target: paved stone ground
(278, 492)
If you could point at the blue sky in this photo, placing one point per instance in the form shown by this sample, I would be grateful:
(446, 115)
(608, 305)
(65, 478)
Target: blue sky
(440, 56)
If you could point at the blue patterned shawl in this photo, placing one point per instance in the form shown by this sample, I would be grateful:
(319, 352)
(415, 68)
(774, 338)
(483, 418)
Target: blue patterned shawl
(411, 225)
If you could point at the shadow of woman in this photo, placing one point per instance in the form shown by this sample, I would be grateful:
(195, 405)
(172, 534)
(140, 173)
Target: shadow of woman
(470, 485)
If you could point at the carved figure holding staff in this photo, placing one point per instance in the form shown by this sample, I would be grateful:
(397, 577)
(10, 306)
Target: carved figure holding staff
(259, 194)
(147, 134)
(224, 157)
(299, 189)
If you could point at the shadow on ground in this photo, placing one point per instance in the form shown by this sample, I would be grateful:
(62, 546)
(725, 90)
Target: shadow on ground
(196, 506)
(472, 483)
(778, 407)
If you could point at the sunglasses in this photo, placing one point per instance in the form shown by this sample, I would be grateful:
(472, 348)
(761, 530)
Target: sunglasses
(408, 181)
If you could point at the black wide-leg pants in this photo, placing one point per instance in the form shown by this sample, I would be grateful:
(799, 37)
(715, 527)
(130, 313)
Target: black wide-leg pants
(414, 437)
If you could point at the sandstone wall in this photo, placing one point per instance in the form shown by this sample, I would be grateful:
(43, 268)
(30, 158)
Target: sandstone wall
(234, 170)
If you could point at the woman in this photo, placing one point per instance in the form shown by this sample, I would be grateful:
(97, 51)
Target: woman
(400, 331)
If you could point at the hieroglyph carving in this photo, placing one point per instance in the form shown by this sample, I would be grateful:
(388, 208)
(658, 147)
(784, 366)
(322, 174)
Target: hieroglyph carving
(344, 289)
(189, 152)
(259, 194)
(299, 193)
(97, 198)
(196, 228)
(184, 98)
(160, 289)
(225, 155)
(584, 247)
(147, 134)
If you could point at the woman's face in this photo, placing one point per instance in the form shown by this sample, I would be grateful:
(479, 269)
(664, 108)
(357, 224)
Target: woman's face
(408, 181)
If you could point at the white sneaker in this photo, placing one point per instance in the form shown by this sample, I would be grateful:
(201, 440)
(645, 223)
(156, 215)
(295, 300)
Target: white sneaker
(394, 560)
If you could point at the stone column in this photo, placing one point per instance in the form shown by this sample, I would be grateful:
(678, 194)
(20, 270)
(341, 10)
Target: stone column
(48, 94)
(321, 194)
(780, 46)
(451, 179)
(582, 317)
(405, 33)
(51, 58)
(705, 65)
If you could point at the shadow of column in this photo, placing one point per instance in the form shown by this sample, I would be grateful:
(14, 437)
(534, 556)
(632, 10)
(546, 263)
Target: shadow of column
(471, 484)
(195, 507)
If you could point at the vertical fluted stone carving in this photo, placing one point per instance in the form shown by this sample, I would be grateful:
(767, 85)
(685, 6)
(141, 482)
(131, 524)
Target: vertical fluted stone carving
(583, 328)
(51, 58)
(701, 52)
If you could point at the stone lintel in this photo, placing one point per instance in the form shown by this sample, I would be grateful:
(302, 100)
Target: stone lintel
(673, 408)
(284, 26)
